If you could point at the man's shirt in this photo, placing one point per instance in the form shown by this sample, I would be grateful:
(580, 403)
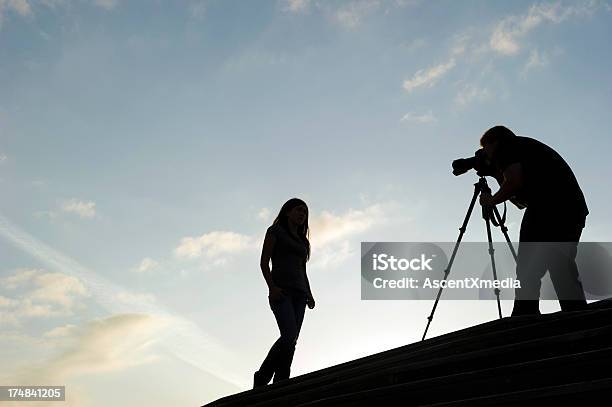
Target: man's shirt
(549, 185)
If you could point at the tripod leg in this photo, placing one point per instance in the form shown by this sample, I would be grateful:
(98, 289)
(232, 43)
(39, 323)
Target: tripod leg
(491, 253)
(504, 230)
(452, 258)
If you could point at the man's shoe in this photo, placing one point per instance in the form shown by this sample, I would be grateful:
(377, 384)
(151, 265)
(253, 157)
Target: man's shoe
(517, 313)
(525, 307)
(573, 305)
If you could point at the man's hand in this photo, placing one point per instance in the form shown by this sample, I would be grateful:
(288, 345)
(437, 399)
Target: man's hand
(310, 302)
(486, 199)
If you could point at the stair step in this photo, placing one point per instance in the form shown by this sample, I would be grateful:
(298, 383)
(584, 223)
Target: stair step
(454, 354)
(574, 393)
(524, 376)
(502, 361)
(509, 353)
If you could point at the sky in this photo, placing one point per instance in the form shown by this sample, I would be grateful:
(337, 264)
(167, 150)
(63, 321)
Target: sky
(145, 147)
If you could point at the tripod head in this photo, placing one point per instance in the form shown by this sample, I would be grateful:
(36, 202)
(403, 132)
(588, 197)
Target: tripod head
(482, 185)
(487, 211)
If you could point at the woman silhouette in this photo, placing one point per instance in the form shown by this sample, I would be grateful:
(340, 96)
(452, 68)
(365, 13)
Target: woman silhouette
(286, 244)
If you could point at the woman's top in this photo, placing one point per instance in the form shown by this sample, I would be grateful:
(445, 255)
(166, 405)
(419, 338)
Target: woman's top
(289, 260)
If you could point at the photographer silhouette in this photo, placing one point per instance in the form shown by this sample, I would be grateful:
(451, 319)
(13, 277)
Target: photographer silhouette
(533, 175)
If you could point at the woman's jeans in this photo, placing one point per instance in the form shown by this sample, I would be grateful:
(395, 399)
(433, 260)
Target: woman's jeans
(289, 314)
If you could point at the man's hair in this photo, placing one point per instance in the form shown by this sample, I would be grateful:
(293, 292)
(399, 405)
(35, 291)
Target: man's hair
(495, 134)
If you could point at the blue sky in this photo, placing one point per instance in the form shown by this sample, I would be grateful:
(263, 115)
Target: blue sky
(146, 146)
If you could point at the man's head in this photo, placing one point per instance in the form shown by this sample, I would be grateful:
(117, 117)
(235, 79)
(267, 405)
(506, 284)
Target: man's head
(495, 137)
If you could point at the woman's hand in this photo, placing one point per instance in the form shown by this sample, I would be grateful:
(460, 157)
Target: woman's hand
(275, 293)
(310, 302)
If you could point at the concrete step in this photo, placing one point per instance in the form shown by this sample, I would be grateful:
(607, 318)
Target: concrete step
(510, 343)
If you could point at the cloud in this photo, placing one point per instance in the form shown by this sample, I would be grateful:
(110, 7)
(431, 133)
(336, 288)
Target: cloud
(24, 7)
(406, 3)
(72, 206)
(21, 7)
(61, 331)
(18, 278)
(3, 158)
(461, 43)
(328, 231)
(333, 235)
(102, 345)
(81, 208)
(419, 118)
(472, 45)
(126, 297)
(506, 37)
(414, 45)
(68, 353)
(263, 214)
(6, 302)
(470, 93)
(351, 14)
(347, 14)
(106, 4)
(185, 340)
(252, 57)
(332, 255)
(429, 77)
(297, 6)
(113, 343)
(147, 264)
(213, 244)
(39, 293)
(328, 227)
(197, 9)
(57, 288)
(536, 60)
(46, 214)
(53, 3)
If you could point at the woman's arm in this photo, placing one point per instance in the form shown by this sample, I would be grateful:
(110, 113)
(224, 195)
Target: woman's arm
(310, 299)
(307, 282)
(264, 263)
(266, 254)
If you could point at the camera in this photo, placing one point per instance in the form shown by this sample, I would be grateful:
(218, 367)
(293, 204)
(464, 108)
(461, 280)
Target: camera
(479, 162)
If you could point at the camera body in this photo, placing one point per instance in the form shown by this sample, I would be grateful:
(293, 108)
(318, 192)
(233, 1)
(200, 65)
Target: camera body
(483, 168)
(478, 162)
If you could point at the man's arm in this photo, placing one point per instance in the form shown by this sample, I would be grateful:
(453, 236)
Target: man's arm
(512, 183)
(499, 177)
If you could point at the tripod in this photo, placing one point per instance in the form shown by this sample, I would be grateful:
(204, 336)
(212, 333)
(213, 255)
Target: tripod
(487, 215)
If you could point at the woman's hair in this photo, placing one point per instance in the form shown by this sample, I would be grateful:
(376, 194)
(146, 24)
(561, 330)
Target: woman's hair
(302, 230)
(497, 133)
